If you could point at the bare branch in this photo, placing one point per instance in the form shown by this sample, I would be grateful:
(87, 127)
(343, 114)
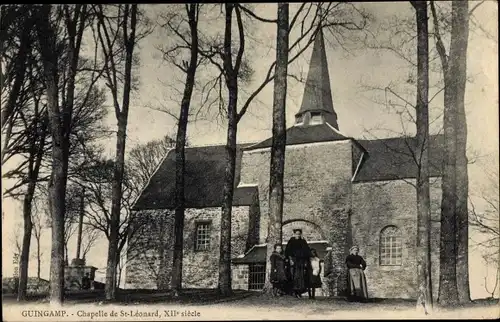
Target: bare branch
(475, 7)
(439, 42)
(253, 15)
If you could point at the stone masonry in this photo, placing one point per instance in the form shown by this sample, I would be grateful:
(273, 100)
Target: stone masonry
(150, 251)
(378, 205)
(337, 189)
(320, 195)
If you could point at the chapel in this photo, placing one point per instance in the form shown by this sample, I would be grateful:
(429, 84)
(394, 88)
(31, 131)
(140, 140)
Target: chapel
(341, 191)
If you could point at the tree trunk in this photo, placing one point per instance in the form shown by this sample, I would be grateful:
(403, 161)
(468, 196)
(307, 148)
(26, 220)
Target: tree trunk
(119, 278)
(57, 183)
(176, 281)
(60, 125)
(122, 118)
(110, 287)
(277, 167)
(424, 296)
(57, 194)
(458, 70)
(35, 161)
(118, 269)
(25, 250)
(448, 293)
(454, 271)
(231, 75)
(224, 285)
(66, 257)
(38, 260)
(80, 224)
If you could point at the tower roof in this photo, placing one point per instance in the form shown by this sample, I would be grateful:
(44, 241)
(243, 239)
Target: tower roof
(317, 91)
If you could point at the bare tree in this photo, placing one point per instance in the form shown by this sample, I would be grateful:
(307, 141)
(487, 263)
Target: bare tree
(24, 124)
(240, 70)
(123, 28)
(17, 26)
(189, 67)
(455, 179)
(455, 182)
(97, 180)
(277, 167)
(60, 118)
(144, 159)
(30, 140)
(39, 222)
(89, 239)
(73, 196)
(424, 297)
(231, 72)
(486, 224)
(493, 290)
(36, 152)
(17, 242)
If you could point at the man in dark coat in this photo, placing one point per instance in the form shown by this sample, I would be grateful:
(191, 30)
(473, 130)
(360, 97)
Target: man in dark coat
(298, 253)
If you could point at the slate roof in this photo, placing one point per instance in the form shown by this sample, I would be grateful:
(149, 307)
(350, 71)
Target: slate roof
(204, 180)
(304, 134)
(257, 254)
(391, 159)
(387, 159)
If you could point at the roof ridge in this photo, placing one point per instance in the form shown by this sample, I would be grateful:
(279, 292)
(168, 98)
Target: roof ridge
(398, 137)
(337, 131)
(218, 144)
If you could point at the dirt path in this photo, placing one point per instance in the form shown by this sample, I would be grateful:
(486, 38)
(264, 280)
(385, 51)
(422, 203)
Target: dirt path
(248, 308)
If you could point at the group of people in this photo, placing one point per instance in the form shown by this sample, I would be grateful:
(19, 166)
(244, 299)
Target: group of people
(298, 270)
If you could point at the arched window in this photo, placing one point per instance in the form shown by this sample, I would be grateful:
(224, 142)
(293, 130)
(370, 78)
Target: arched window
(390, 246)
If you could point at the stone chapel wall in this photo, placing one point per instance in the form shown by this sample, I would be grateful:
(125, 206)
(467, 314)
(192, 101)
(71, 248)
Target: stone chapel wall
(150, 263)
(317, 188)
(380, 204)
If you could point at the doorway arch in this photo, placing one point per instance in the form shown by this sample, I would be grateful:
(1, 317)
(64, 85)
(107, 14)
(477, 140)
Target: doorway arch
(310, 230)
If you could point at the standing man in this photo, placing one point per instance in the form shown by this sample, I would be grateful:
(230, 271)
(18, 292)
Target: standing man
(298, 253)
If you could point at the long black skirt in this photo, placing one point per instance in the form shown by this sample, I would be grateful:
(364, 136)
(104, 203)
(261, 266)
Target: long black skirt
(299, 276)
(315, 281)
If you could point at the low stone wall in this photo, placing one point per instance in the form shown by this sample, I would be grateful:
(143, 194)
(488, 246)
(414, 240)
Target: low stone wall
(73, 276)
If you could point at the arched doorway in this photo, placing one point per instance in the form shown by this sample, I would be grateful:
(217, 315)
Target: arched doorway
(310, 230)
(315, 237)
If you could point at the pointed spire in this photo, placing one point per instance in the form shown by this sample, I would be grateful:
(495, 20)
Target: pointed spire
(317, 92)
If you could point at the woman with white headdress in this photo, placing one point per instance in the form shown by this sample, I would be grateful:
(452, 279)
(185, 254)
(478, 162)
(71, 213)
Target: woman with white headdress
(357, 280)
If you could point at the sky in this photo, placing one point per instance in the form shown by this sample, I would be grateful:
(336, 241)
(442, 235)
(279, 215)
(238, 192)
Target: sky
(358, 115)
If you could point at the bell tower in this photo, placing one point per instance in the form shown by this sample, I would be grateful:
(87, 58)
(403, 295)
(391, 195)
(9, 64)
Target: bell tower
(317, 103)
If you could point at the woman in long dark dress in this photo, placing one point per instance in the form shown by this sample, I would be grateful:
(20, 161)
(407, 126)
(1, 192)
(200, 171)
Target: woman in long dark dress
(357, 280)
(278, 274)
(298, 253)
